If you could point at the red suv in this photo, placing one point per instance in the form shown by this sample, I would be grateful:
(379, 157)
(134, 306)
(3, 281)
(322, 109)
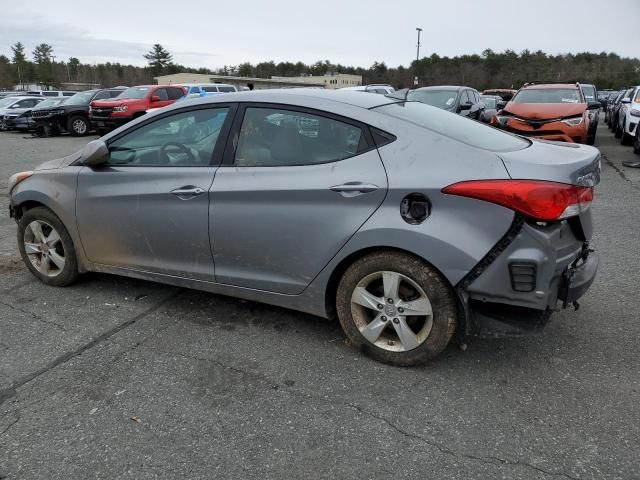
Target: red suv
(106, 115)
(552, 111)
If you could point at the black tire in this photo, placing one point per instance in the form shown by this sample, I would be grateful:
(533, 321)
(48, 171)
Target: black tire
(636, 143)
(439, 293)
(69, 273)
(617, 132)
(78, 126)
(626, 139)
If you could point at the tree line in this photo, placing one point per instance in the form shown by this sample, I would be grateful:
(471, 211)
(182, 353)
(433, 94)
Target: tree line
(489, 69)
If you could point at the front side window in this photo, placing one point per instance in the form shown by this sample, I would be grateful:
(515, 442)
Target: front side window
(548, 95)
(489, 102)
(182, 139)
(161, 93)
(175, 93)
(273, 137)
(454, 126)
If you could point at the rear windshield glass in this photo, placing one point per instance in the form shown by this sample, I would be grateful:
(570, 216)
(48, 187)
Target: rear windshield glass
(548, 95)
(437, 98)
(454, 126)
(135, 92)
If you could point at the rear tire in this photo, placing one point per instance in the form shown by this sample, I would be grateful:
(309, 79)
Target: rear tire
(626, 139)
(78, 126)
(374, 297)
(46, 247)
(617, 131)
(636, 143)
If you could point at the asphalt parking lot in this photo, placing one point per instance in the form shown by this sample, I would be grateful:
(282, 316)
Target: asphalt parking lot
(119, 378)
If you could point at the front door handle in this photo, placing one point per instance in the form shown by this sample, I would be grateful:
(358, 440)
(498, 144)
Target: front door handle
(351, 189)
(187, 192)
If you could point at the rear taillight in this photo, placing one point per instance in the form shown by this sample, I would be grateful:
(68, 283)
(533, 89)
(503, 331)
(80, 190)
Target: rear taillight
(545, 201)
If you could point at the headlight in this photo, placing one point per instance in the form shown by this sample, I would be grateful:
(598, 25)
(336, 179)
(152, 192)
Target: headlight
(121, 108)
(573, 121)
(16, 178)
(635, 113)
(501, 120)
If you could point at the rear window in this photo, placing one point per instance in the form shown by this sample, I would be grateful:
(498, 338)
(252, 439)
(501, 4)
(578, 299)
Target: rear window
(437, 98)
(454, 126)
(548, 95)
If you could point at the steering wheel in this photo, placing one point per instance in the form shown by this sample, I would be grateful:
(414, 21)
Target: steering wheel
(180, 147)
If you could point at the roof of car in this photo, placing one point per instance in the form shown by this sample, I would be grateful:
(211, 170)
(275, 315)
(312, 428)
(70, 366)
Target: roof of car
(550, 85)
(286, 95)
(442, 87)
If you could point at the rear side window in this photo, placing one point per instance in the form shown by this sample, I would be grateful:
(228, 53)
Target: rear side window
(210, 89)
(226, 89)
(50, 94)
(454, 126)
(274, 137)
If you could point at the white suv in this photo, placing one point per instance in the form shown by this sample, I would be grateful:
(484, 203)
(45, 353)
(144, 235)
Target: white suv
(629, 117)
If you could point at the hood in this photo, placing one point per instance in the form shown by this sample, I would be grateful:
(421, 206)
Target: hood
(15, 111)
(545, 111)
(114, 102)
(59, 162)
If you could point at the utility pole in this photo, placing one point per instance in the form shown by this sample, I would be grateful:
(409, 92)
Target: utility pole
(415, 78)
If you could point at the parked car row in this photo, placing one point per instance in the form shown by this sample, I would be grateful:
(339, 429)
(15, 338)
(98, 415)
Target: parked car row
(99, 109)
(623, 115)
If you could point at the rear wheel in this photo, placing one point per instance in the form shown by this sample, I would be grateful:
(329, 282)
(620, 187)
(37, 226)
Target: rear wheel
(617, 132)
(46, 247)
(78, 126)
(636, 143)
(396, 308)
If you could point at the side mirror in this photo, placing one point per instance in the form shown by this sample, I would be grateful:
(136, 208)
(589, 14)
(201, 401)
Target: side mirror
(95, 153)
(155, 98)
(465, 106)
(594, 105)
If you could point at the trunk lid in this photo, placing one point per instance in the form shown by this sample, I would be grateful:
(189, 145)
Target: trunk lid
(569, 163)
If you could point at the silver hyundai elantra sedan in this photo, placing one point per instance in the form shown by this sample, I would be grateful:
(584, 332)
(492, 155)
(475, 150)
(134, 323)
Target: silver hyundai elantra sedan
(408, 223)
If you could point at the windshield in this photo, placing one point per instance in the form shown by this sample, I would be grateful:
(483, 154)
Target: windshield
(52, 102)
(489, 102)
(7, 101)
(82, 98)
(548, 95)
(589, 92)
(437, 98)
(135, 92)
(454, 126)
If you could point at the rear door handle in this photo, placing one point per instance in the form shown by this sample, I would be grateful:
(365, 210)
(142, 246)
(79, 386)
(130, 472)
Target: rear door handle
(351, 189)
(187, 192)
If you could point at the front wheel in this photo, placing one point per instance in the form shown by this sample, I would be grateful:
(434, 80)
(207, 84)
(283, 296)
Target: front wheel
(396, 308)
(46, 247)
(78, 126)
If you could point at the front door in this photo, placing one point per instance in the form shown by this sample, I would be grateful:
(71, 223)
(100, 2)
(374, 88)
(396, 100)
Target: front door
(295, 186)
(147, 207)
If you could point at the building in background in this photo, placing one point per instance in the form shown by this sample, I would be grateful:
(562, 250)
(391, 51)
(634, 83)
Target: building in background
(329, 81)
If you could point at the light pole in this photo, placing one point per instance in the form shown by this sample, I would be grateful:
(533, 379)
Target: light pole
(415, 78)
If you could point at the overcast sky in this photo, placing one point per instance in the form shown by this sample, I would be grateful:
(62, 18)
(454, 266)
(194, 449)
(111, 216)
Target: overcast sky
(211, 34)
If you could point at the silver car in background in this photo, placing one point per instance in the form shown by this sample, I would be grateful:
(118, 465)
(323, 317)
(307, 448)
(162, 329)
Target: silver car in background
(408, 223)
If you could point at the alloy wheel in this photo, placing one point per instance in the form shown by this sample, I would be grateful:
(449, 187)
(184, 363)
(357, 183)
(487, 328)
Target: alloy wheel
(391, 311)
(44, 249)
(79, 126)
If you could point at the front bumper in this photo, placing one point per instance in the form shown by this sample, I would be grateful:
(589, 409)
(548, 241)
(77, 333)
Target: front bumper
(557, 131)
(109, 123)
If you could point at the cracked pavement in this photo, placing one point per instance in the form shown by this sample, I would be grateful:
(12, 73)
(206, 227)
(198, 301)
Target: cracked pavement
(120, 378)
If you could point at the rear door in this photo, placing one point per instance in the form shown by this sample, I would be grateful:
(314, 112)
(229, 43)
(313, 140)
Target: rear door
(295, 185)
(147, 208)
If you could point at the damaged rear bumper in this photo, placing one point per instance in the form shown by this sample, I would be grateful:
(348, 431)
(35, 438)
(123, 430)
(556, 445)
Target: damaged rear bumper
(534, 270)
